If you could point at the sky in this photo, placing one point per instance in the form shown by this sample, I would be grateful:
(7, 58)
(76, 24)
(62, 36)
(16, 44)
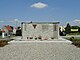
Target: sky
(13, 12)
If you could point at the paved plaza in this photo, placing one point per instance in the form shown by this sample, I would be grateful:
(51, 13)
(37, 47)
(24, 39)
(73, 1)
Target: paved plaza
(39, 51)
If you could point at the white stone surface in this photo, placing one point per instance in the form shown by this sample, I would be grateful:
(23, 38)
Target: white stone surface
(19, 40)
(45, 30)
(39, 51)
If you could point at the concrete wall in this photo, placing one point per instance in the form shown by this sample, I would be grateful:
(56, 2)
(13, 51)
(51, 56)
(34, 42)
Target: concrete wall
(45, 31)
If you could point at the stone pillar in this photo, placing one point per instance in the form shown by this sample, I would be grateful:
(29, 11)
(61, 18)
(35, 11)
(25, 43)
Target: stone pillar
(58, 31)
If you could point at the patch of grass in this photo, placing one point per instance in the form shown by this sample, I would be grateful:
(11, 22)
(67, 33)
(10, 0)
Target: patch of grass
(73, 34)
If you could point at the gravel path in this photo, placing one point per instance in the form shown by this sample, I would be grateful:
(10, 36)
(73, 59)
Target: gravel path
(40, 51)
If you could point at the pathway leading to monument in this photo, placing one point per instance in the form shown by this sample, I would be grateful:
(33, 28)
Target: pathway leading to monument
(40, 51)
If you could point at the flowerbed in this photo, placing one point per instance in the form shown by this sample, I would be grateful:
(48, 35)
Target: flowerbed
(75, 41)
(4, 42)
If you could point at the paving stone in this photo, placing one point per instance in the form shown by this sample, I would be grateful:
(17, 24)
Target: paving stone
(40, 51)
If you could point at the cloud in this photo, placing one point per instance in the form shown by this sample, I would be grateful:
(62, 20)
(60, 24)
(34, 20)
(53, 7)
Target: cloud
(77, 20)
(16, 20)
(39, 5)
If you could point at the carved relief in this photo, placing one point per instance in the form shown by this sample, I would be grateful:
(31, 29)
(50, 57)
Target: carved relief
(34, 25)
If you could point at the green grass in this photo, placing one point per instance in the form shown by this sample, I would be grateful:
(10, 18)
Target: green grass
(73, 34)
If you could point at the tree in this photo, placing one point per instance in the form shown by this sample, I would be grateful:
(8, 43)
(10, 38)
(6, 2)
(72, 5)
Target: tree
(75, 27)
(11, 27)
(19, 28)
(68, 28)
(79, 30)
(18, 31)
(0, 32)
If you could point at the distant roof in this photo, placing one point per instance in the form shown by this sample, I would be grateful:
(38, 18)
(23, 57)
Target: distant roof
(9, 28)
(3, 30)
(41, 22)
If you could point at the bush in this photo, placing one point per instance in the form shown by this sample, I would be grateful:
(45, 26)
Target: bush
(67, 28)
(3, 43)
(72, 38)
(62, 33)
(0, 33)
(18, 33)
(75, 41)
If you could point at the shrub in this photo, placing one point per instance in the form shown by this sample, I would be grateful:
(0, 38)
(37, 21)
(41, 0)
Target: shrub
(3, 43)
(18, 33)
(75, 41)
(0, 33)
(72, 38)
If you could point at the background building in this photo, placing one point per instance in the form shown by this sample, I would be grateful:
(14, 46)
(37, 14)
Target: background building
(8, 30)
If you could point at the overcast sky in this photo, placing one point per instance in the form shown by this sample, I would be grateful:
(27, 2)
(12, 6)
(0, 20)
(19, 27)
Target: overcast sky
(39, 10)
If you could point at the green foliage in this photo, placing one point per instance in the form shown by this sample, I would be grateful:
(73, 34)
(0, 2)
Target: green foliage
(72, 38)
(18, 28)
(0, 32)
(67, 28)
(18, 33)
(79, 29)
(74, 27)
(74, 33)
(75, 41)
(11, 27)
